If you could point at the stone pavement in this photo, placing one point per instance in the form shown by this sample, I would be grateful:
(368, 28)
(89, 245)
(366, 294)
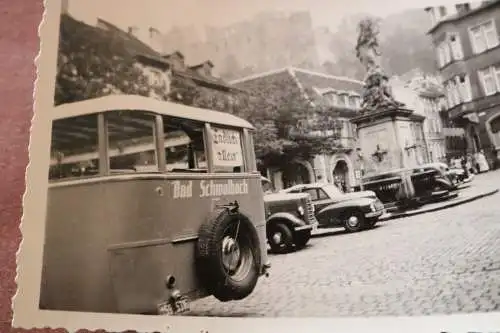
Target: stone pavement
(442, 262)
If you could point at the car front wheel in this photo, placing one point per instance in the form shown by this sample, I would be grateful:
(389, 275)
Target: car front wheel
(301, 238)
(354, 221)
(370, 224)
(280, 238)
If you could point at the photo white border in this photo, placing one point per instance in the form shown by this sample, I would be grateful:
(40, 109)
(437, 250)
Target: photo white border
(25, 303)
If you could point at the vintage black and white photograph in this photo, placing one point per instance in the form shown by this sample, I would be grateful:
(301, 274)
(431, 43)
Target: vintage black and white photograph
(193, 160)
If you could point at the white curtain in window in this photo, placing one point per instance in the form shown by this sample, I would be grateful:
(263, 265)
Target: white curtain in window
(488, 81)
(478, 40)
(447, 53)
(449, 95)
(463, 83)
(497, 76)
(440, 56)
(456, 93)
(490, 34)
(456, 47)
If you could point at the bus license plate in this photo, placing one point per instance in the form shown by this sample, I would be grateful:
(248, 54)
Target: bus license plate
(169, 308)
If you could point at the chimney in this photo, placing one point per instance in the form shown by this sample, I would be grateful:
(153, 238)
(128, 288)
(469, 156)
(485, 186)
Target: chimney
(155, 39)
(64, 7)
(134, 31)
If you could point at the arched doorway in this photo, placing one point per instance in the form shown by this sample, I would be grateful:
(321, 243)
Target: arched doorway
(296, 172)
(341, 175)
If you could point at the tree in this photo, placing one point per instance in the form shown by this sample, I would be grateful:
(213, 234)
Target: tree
(93, 62)
(289, 125)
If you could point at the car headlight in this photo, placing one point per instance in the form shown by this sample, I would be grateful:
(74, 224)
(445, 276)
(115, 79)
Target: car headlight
(300, 210)
(372, 207)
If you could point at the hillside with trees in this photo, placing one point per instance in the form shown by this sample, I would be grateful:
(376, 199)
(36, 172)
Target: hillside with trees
(403, 42)
(404, 46)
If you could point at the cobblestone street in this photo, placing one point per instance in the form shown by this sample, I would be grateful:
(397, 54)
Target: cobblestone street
(442, 262)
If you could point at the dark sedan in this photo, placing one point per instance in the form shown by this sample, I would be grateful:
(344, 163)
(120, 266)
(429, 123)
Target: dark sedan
(354, 211)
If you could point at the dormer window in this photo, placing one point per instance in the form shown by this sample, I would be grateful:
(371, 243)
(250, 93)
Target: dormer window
(343, 100)
(442, 11)
(176, 59)
(332, 98)
(352, 101)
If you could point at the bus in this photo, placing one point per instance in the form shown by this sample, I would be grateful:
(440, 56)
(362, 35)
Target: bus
(150, 206)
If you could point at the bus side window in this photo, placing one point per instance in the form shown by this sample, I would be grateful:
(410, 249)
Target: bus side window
(74, 148)
(131, 140)
(184, 146)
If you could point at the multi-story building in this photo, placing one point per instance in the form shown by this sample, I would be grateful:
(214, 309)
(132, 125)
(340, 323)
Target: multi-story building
(467, 43)
(425, 96)
(431, 100)
(172, 66)
(341, 96)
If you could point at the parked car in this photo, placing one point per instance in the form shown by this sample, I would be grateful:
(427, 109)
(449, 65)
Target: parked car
(354, 211)
(456, 176)
(289, 218)
(409, 188)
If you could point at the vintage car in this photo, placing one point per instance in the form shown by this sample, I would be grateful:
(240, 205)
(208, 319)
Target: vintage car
(456, 176)
(409, 188)
(289, 218)
(354, 211)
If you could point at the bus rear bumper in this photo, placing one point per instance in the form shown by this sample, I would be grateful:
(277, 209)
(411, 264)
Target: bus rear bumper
(265, 269)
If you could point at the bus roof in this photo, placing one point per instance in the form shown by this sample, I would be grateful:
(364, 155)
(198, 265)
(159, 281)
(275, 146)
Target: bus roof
(136, 102)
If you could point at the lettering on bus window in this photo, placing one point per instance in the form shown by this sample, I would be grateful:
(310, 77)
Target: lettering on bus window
(228, 150)
(74, 148)
(184, 145)
(131, 142)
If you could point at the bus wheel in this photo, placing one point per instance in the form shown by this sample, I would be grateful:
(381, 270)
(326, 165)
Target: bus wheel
(228, 256)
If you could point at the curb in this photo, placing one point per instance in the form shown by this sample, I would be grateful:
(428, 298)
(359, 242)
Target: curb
(448, 205)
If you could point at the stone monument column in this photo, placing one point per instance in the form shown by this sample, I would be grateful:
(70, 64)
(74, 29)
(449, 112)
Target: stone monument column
(384, 124)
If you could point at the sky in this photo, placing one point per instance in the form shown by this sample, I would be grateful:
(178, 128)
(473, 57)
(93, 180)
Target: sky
(164, 14)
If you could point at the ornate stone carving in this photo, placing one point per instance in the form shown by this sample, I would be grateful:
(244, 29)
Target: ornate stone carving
(377, 92)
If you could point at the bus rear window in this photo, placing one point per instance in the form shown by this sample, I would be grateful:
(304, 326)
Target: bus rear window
(74, 148)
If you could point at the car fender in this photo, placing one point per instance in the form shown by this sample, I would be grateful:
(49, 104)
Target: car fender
(338, 207)
(288, 218)
(446, 185)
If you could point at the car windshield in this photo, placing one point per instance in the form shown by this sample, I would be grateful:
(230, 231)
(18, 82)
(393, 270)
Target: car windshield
(267, 186)
(332, 190)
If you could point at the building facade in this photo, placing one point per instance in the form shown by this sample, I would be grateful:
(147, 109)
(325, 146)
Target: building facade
(425, 95)
(467, 43)
(340, 95)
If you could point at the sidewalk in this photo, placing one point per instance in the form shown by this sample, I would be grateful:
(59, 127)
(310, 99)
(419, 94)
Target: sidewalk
(465, 195)
(480, 187)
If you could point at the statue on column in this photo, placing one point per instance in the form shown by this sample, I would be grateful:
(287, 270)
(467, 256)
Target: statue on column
(377, 92)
